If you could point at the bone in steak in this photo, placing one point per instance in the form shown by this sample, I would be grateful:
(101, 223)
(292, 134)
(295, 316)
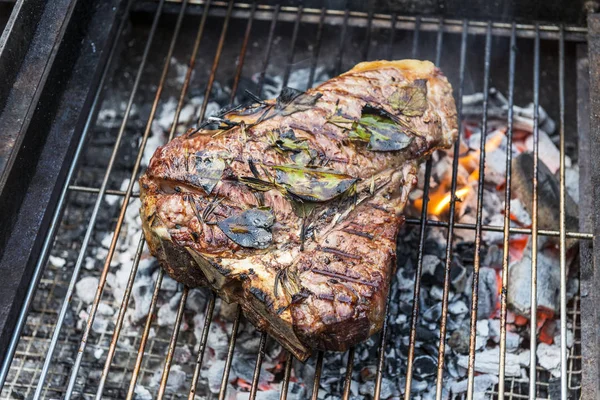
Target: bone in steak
(291, 207)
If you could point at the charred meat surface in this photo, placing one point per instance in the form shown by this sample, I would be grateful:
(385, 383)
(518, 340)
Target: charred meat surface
(291, 206)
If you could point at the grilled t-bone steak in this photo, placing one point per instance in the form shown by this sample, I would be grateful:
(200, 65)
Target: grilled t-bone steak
(291, 207)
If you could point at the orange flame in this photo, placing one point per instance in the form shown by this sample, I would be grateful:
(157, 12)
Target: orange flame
(442, 204)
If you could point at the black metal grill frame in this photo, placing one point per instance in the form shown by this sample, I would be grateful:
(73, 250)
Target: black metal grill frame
(275, 14)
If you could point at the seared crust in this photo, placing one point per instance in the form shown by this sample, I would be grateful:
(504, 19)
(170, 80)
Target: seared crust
(341, 267)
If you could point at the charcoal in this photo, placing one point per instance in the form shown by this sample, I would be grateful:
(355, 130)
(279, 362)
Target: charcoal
(425, 366)
(197, 299)
(388, 388)
(487, 293)
(458, 276)
(418, 386)
(434, 313)
(433, 270)
(493, 257)
(459, 341)
(548, 282)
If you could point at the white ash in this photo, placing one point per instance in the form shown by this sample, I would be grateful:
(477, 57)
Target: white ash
(175, 382)
(90, 263)
(548, 356)
(141, 393)
(517, 209)
(86, 287)
(548, 278)
(548, 152)
(98, 353)
(458, 308)
(481, 384)
(167, 314)
(58, 262)
(572, 182)
(513, 339)
(558, 338)
(142, 297)
(488, 362)
(298, 80)
(213, 373)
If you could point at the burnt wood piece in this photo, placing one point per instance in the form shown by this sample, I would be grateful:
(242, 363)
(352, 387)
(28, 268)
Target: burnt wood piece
(54, 53)
(548, 195)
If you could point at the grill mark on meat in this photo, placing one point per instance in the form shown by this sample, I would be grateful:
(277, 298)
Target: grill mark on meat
(340, 253)
(358, 233)
(342, 277)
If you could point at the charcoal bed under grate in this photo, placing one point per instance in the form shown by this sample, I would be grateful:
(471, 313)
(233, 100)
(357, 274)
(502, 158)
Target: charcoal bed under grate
(141, 335)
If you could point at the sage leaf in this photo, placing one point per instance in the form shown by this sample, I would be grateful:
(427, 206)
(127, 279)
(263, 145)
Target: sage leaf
(251, 228)
(411, 99)
(292, 100)
(385, 134)
(311, 184)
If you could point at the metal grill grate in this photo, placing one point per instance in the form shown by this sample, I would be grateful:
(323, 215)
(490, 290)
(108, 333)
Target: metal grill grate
(45, 333)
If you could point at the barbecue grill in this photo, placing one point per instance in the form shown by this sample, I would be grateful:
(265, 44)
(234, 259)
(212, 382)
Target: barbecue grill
(81, 101)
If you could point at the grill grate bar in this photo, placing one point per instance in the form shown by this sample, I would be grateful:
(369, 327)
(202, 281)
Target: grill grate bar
(369, 20)
(498, 228)
(288, 67)
(210, 308)
(317, 380)
(423, 227)
(315, 55)
(230, 350)
(94, 216)
(479, 216)
(48, 241)
(172, 344)
(213, 71)
(348, 376)
(451, 224)
(129, 287)
(534, 216)
(144, 339)
(120, 318)
(121, 218)
(369, 27)
(232, 340)
(392, 37)
(562, 220)
(415, 44)
(381, 350)
(340, 55)
(410, 221)
(358, 18)
(87, 189)
(258, 365)
(268, 52)
(286, 376)
(242, 55)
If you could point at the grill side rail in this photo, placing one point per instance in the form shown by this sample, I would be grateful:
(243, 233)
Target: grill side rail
(53, 53)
